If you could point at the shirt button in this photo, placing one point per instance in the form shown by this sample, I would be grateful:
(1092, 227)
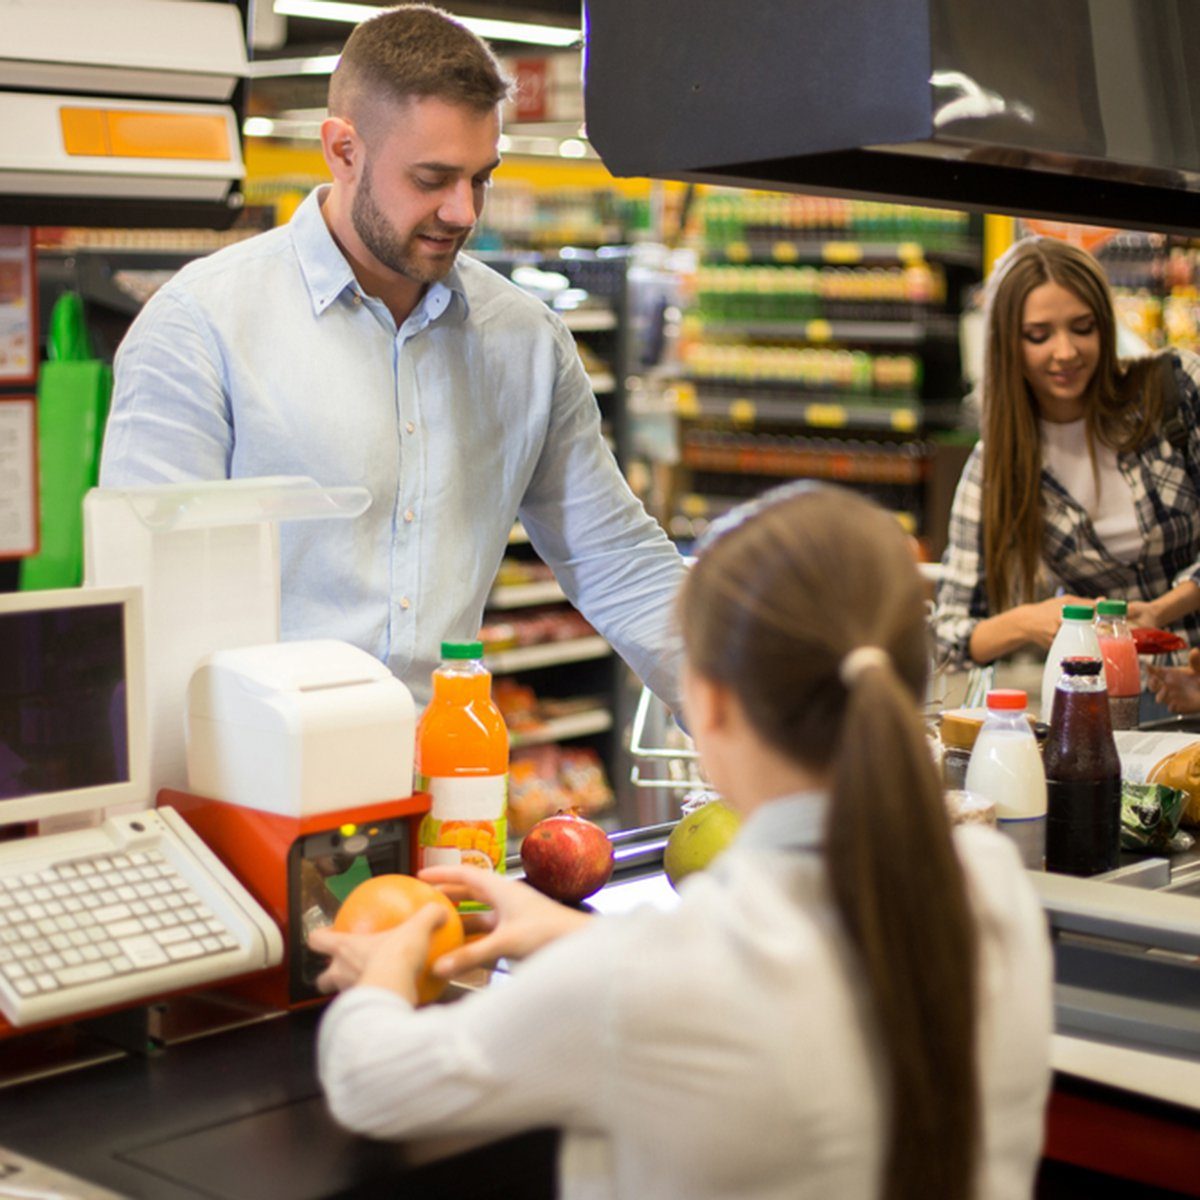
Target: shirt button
(405, 603)
(409, 427)
(355, 298)
(409, 515)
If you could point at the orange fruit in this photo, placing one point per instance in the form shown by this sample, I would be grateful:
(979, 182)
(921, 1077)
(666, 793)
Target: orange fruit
(389, 900)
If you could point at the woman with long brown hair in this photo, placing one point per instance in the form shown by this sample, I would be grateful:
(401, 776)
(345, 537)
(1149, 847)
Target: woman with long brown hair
(852, 1002)
(1086, 481)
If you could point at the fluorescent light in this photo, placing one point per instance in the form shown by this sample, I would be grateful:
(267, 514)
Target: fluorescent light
(265, 68)
(572, 148)
(258, 127)
(485, 27)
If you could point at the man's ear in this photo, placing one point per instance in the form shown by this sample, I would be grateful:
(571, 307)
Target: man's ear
(341, 147)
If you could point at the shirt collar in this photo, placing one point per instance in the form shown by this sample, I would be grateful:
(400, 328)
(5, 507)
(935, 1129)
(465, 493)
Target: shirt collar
(794, 822)
(328, 274)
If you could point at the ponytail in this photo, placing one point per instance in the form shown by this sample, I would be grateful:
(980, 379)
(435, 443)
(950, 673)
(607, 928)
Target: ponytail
(913, 934)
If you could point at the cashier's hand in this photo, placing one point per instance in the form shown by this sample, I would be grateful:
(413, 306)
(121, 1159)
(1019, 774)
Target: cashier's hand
(521, 920)
(1177, 687)
(391, 960)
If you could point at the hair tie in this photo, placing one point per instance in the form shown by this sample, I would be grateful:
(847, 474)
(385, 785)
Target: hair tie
(860, 659)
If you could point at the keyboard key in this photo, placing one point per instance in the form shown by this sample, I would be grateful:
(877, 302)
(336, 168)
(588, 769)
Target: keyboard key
(45, 982)
(25, 987)
(111, 913)
(82, 973)
(143, 951)
(168, 937)
(124, 929)
(184, 950)
(72, 958)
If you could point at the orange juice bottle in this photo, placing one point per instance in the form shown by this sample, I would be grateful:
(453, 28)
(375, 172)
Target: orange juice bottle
(462, 762)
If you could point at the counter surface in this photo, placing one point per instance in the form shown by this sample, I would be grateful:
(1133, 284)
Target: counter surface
(238, 1115)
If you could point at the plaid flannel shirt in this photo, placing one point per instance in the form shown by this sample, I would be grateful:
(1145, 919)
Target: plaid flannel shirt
(1166, 493)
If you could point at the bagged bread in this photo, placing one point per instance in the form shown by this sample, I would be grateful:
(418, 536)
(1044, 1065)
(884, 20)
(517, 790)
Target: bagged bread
(1172, 759)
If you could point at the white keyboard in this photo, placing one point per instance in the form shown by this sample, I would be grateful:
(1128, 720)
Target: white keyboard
(135, 907)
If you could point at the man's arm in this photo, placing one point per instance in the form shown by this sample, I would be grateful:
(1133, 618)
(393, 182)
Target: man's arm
(614, 562)
(170, 419)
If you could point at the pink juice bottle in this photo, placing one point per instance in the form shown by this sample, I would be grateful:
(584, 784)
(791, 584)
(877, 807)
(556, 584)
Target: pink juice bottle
(1120, 663)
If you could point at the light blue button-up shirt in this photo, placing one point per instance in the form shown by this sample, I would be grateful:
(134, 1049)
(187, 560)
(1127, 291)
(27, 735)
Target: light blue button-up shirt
(266, 358)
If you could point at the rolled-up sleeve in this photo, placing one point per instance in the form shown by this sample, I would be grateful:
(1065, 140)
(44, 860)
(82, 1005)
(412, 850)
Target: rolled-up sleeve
(612, 559)
(961, 598)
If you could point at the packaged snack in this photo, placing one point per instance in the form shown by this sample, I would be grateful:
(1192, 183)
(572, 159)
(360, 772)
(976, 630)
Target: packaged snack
(1150, 814)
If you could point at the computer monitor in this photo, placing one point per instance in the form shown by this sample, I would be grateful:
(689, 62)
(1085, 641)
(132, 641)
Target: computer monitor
(72, 702)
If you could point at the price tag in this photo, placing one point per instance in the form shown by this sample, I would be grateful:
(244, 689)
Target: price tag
(737, 252)
(742, 412)
(904, 420)
(818, 331)
(828, 416)
(910, 253)
(686, 402)
(842, 252)
(785, 252)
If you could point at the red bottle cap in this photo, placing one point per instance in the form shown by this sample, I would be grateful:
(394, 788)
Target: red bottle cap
(1013, 699)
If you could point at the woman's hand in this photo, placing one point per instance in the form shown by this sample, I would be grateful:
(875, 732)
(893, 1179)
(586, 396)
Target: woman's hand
(393, 959)
(1177, 687)
(1142, 614)
(1042, 620)
(521, 920)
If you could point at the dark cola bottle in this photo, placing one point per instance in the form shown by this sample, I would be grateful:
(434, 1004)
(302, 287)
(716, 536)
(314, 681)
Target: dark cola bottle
(1083, 774)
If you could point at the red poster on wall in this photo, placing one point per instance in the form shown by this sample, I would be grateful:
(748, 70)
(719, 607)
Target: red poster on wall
(531, 88)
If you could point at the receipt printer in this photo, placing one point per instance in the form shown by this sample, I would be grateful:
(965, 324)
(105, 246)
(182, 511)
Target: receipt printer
(299, 729)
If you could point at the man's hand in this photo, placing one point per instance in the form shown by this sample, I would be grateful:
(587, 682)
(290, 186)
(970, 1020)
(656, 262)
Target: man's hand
(1177, 687)
(520, 922)
(1142, 614)
(393, 959)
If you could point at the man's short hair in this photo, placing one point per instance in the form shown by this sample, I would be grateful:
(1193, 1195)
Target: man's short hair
(414, 51)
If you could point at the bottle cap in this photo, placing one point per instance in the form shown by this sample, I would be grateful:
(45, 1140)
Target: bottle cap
(1112, 608)
(462, 649)
(1009, 699)
(1079, 664)
(1077, 612)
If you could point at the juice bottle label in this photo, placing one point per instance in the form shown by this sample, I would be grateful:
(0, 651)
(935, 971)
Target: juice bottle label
(466, 825)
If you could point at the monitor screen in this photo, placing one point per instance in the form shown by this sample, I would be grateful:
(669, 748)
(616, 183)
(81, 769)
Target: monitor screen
(71, 708)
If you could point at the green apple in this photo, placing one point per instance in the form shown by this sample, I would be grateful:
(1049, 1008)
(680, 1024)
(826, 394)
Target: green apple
(698, 839)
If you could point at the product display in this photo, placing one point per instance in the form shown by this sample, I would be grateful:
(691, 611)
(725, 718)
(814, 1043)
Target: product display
(1150, 816)
(462, 762)
(1121, 668)
(1006, 768)
(1076, 636)
(544, 779)
(1083, 774)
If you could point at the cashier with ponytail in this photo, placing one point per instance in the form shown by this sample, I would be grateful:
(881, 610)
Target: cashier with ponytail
(852, 1001)
(1086, 482)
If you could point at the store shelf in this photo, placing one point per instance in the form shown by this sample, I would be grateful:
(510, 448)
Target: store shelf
(603, 383)
(834, 252)
(876, 333)
(803, 458)
(549, 654)
(589, 320)
(561, 729)
(523, 595)
(822, 411)
(517, 535)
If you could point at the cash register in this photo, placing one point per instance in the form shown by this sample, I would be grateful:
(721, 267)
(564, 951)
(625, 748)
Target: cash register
(133, 904)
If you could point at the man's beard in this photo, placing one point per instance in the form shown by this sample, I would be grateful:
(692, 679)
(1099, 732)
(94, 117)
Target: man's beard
(380, 237)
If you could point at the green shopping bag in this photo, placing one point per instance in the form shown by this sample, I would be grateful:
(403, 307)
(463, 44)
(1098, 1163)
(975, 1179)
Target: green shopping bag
(72, 405)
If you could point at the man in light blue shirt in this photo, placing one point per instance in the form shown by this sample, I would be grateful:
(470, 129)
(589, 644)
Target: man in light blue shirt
(355, 346)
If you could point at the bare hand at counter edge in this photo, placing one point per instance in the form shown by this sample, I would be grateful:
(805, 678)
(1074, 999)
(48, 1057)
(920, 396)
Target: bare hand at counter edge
(1177, 687)
(1036, 624)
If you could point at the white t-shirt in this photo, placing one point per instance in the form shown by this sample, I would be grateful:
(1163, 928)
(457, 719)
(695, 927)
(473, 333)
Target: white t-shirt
(1110, 507)
(718, 1050)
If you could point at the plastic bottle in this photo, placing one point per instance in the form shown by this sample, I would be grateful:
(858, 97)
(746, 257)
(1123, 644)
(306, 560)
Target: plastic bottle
(462, 762)
(1121, 670)
(1006, 768)
(1083, 775)
(1076, 636)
